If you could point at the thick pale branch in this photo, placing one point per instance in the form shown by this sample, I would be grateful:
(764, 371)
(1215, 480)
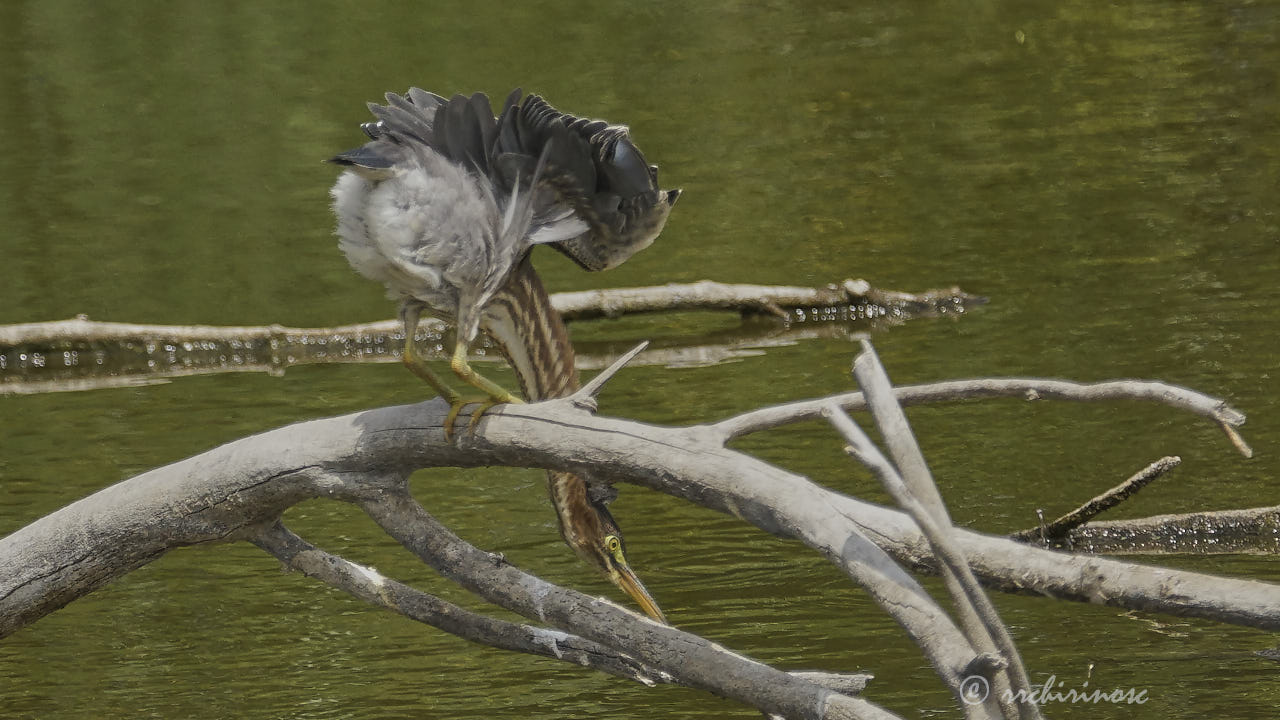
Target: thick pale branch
(230, 491)
(916, 492)
(978, 641)
(214, 495)
(690, 463)
(372, 587)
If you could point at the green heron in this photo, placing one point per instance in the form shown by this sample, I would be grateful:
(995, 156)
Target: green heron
(443, 205)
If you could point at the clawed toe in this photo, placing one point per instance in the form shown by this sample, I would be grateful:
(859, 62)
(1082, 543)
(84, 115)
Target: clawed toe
(455, 409)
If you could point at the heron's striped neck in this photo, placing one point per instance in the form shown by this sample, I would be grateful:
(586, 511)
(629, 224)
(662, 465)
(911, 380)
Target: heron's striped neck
(530, 333)
(532, 336)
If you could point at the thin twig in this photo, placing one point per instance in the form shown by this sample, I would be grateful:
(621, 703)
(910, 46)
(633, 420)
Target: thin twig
(1234, 436)
(585, 396)
(1174, 396)
(1050, 532)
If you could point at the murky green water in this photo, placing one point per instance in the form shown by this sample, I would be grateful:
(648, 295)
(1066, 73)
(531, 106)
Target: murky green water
(1107, 174)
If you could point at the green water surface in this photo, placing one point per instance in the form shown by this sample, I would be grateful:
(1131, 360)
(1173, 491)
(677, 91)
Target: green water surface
(1106, 173)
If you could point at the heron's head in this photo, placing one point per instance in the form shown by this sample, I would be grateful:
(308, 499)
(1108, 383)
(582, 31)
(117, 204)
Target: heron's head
(610, 555)
(591, 531)
(628, 209)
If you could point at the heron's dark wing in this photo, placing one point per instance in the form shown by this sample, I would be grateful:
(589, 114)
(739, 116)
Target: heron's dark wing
(401, 120)
(461, 129)
(534, 127)
(465, 131)
(594, 170)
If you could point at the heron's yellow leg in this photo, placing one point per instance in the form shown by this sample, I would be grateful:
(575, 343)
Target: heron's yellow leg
(497, 394)
(418, 366)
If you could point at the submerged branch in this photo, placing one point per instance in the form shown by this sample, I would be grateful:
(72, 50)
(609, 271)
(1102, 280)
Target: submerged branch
(80, 354)
(1051, 532)
(580, 305)
(849, 300)
(1251, 531)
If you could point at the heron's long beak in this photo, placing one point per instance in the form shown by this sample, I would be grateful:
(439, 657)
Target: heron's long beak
(627, 580)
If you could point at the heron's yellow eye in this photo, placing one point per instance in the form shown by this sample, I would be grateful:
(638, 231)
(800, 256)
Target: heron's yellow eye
(614, 546)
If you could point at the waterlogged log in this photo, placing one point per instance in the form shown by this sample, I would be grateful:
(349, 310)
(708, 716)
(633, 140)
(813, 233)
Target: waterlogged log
(83, 354)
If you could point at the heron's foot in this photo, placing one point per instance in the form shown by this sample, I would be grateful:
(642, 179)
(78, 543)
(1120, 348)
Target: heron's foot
(455, 409)
(484, 406)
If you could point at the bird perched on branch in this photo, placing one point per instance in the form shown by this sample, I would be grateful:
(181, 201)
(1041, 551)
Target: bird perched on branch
(445, 200)
(443, 205)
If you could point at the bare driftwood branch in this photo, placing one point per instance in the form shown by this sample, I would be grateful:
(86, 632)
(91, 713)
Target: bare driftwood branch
(1054, 531)
(681, 658)
(861, 447)
(581, 305)
(79, 354)
(216, 495)
(238, 492)
(689, 659)
(369, 585)
(795, 304)
(1173, 396)
(910, 483)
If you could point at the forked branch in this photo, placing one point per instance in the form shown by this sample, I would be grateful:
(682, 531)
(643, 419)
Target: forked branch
(238, 492)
